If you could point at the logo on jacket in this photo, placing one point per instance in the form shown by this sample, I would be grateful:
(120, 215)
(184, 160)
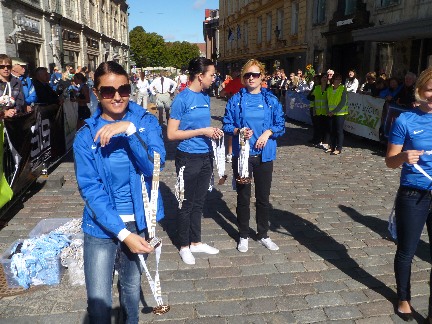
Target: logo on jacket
(142, 129)
(93, 147)
(418, 132)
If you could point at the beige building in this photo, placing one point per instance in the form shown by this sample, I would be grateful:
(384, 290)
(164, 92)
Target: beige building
(59, 32)
(392, 36)
(273, 31)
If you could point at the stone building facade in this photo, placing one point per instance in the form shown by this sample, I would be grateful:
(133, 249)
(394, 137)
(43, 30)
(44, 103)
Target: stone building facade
(58, 32)
(273, 31)
(392, 36)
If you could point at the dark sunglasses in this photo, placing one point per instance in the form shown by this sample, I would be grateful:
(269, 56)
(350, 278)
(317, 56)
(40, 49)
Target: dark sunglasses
(255, 75)
(109, 92)
(5, 66)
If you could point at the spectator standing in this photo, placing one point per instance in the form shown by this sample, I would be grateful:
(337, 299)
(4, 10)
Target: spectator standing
(391, 92)
(409, 146)
(330, 74)
(11, 91)
(406, 97)
(64, 83)
(369, 87)
(182, 81)
(55, 78)
(44, 93)
(337, 102)
(351, 83)
(293, 82)
(162, 88)
(255, 114)
(190, 124)
(319, 115)
(112, 152)
(29, 92)
(82, 98)
(143, 87)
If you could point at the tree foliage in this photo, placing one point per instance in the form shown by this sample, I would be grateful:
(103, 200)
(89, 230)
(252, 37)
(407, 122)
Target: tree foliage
(150, 50)
(180, 53)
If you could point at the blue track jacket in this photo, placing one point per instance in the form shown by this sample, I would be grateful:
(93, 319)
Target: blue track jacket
(273, 120)
(100, 217)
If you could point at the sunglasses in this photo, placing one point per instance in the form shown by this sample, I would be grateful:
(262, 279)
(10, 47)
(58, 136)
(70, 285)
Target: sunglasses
(255, 75)
(109, 92)
(8, 66)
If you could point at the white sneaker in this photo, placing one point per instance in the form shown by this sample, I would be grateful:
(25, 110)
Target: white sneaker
(269, 244)
(203, 248)
(243, 245)
(187, 256)
(228, 158)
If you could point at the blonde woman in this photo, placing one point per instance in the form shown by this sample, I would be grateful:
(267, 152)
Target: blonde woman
(257, 113)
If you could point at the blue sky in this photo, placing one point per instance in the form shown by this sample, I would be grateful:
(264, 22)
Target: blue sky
(174, 20)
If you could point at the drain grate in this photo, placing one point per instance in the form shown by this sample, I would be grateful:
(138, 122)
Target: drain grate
(5, 290)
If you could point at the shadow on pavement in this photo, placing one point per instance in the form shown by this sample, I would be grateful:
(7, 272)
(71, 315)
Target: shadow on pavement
(169, 223)
(379, 226)
(320, 243)
(217, 209)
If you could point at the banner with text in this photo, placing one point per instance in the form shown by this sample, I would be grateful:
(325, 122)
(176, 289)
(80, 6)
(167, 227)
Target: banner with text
(364, 118)
(297, 107)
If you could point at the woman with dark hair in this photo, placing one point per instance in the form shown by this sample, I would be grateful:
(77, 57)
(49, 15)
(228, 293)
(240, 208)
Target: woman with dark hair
(82, 97)
(410, 147)
(337, 103)
(114, 148)
(189, 123)
(254, 118)
(351, 83)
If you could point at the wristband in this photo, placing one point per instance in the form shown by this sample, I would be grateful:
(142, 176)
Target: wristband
(130, 130)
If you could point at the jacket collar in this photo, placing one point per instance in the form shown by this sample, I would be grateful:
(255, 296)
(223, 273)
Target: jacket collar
(133, 107)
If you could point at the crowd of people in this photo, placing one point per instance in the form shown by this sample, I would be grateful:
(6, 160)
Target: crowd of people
(19, 92)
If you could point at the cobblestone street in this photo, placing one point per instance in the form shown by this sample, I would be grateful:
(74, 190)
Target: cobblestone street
(329, 219)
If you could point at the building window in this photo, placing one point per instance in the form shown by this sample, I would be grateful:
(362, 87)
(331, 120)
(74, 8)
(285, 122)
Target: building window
(319, 7)
(350, 7)
(279, 22)
(294, 18)
(259, 30)
(386, 3)
(269, 27)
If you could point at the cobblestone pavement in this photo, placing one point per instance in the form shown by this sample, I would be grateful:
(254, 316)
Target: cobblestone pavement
(329, 219)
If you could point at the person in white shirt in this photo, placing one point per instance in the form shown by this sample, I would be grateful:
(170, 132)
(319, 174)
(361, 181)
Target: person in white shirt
(182, 81)
(351, 83)
(162, 88)
(142, 86)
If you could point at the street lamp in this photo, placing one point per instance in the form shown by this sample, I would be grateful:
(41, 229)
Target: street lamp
(18, 21)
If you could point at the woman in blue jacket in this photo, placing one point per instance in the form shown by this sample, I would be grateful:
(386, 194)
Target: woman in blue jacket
(112, 150)
(189, 123)
(410, 146)
(258, 113)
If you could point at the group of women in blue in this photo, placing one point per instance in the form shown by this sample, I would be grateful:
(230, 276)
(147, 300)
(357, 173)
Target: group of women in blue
(116, 147)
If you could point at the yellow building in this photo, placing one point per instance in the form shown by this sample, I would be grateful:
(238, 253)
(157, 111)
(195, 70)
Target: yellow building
(273, 31)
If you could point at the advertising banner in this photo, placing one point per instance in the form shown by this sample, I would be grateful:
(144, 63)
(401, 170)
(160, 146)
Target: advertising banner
(34, 141)
(297, 107)
(364, 118)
